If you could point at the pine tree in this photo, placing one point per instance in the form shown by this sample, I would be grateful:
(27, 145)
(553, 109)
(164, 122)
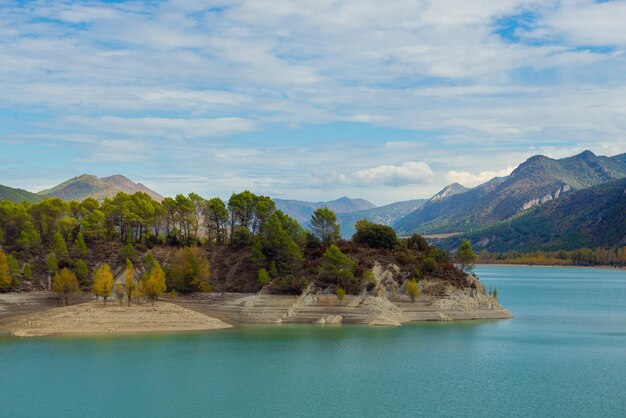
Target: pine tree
(130, 280)
(80, 248)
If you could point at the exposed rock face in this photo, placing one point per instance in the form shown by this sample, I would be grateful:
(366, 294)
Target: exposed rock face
(548, 197)
(388, 305)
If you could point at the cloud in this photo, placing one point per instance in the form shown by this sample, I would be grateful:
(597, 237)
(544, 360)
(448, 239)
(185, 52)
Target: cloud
(410, 172)
(471, 180)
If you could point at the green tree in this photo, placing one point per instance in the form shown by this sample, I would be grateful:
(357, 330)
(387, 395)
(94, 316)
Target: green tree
(465, 256)
(189, 271)
(27, 271)
(324, 225)
(412, 289)
(336, 268)
(129, 274)
(82, 272)
(66, 285)
(417, 242)
(340, 293)
(128, 252)
(80, 248)
(263, 277)
(374, 235)
(215, 219)
(14, 270)
(103, 282)
(280, 247)
(60, 248)
(52, 264)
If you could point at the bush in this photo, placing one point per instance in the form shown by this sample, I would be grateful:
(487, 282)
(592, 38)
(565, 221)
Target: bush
(341, 294)
(429, 264)
(263, 277)
(417, 242)
(336, 268)
(375, 235)
(128, 252)
(82, 272)
(412, 289)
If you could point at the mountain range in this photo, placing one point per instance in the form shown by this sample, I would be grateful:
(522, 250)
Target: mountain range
(80, 188)
(533, 183)
(544, 203)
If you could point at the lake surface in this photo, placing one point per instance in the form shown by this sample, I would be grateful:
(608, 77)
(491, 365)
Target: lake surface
(564, 354)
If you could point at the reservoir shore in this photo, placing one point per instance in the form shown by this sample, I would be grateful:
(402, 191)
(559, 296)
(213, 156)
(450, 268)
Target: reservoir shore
(38, 313)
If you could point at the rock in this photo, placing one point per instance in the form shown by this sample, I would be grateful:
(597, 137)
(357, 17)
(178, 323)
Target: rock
(329, 319)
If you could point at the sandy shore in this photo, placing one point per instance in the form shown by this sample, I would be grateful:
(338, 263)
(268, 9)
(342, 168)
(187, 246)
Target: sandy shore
(95, 318)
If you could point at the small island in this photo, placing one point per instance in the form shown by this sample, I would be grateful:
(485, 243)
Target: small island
(189, 264)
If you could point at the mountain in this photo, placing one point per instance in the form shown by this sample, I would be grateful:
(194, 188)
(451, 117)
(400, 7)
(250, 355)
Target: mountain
(536, 181)
(385, 215)
(591, 217)
(17, 195)
(82, 187)
(302, 211)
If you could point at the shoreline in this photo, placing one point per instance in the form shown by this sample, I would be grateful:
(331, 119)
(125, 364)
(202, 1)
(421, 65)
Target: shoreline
(212, 311)
(622, 268)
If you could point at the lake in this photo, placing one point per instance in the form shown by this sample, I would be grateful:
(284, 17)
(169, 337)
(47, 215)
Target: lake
(564, 354)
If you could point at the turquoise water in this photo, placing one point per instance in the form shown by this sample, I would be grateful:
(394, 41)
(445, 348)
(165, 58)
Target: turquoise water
(564, 354)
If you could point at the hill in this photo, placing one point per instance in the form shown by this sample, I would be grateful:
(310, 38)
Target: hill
(592, 217)
(536, 181)
(17, 195)
(385, 215)
(82, 187)
(302, 210)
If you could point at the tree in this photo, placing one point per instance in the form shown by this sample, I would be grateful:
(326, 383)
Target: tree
(129, 274)
(5, 275)
(103, 282)
(324, 225)
(263, 277)
(82, 271)
(417, 242)
(412, 289)
(189, 271)
(465, 256)
(27, 271)
(336, 268)
(215, 219)
(14, 270)
(60, 248)
(119, 293)
(66, 285)
(340, 293)
(279, 245)
(128, 252)
(52, 264)
(155, 284)
(80, 248)
(375, 235)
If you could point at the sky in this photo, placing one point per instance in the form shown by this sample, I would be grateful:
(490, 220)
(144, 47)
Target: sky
(307, 99)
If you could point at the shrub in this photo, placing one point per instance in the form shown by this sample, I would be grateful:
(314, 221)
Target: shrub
(417, 242)
(429, 264)
(241, 237)
(263, 277)
(336, 268)
(128, 252)
(82, 272)
(375, 235)
(412, 289)
(341, 294)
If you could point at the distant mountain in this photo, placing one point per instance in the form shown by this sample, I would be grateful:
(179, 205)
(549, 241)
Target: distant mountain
(385, 215)
(536, 181)
(82, 187)
(17, 195)
(302, 211)
(592, 217)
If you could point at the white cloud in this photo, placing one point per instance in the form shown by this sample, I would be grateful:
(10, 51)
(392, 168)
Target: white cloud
(410, 172)
(471, 180)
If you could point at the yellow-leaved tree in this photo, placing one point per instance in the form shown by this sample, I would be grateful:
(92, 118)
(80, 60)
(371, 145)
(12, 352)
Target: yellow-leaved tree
(130, 280)
(5, 274)
(103, 282)
(65, 284)
(155, 284)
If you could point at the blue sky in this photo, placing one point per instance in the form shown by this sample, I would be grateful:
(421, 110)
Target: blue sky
(309, 99)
